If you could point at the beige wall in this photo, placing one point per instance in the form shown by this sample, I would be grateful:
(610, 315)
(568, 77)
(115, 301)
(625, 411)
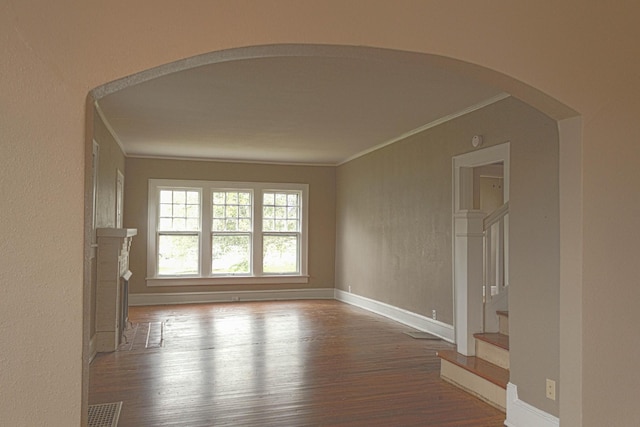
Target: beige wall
(110, 160)
(490, 195)
(321, 182)
(394, 230)
(579, 53)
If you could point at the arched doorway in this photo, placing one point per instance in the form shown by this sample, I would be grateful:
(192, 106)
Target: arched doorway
(568, 132)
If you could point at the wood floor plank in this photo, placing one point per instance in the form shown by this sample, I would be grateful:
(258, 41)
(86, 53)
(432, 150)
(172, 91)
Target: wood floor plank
(292, 363)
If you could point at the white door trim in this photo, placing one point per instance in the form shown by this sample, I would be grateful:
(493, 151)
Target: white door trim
(467, 242)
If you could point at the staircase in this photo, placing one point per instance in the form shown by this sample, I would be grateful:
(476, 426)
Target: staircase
(486, 374)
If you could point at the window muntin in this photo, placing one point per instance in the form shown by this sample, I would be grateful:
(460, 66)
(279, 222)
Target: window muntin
(237, 249)
(179, 210)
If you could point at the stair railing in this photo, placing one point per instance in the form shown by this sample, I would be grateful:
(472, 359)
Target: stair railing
(496, 252)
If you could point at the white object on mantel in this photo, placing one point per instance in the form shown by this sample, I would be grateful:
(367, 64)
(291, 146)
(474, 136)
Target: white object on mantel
(113, 268)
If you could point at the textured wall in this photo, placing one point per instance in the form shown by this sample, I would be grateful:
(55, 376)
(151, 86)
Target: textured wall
(394, 239)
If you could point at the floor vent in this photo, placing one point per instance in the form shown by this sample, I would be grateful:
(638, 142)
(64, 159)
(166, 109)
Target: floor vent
(104, 415)
(422, 335)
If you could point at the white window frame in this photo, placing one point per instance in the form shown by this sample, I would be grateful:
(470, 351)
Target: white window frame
(297, 233)
(206, 277)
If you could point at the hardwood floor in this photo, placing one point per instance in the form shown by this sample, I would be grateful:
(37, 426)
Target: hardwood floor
(293, 363)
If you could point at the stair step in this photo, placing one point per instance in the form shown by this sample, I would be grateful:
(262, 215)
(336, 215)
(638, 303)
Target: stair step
(476, 376)
(490, 372)
(497, 339)
(493, 348)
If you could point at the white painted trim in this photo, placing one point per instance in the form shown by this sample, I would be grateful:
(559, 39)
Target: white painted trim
(222, 160)
(110, 129)
(225, 280)
(481, 157)
(229, 296)
(521, 414)
(417, 321)
(430, 125)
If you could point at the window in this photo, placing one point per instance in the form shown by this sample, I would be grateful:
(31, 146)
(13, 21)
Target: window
(231, 232)
(280, 232)
(178, 232)
(205, 232)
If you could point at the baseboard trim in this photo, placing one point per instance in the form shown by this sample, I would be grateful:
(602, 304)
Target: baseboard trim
(229, 296)
(417, 321)
(521, 414)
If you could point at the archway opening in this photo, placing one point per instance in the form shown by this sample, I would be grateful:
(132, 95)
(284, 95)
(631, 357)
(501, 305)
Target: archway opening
(344, 56)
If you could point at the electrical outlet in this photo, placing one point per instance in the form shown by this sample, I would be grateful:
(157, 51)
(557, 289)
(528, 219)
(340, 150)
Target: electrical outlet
(434, 314)
(551, 389)
(235, 298)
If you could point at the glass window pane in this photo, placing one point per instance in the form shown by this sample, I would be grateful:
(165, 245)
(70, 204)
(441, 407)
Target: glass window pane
(218, 197)
(281, 212)
(193, 197)
(231, 225)
(232, 198)
(244, 198)
(268, 212)
(230, 254)
(218, 225)
(281, 225)
(165, 224)
(280, 254)
(218, 211)
(177, 255)
(193, 211)
(268, 199)
(281, 199)
(166, 210)
(267, 225)
(166, 196)
(193, 224)
(244, 212)
(292, 200)
(244, 225)
(179, 210)
(232, 211)
(292, 225)
(179, 197)
(179, 224)
(292, 213)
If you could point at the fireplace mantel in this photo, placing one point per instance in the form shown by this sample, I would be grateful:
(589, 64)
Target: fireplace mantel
(111, 287)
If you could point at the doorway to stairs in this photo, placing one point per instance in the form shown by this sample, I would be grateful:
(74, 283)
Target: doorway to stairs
(488, 197)
(480, 266)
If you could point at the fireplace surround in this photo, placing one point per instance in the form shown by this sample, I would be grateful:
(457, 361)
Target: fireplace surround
(112, 285)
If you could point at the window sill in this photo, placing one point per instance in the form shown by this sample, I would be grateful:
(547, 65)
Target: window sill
(227, 280)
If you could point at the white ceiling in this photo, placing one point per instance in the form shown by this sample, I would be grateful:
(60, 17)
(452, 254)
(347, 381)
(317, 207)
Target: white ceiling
(287, 109)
